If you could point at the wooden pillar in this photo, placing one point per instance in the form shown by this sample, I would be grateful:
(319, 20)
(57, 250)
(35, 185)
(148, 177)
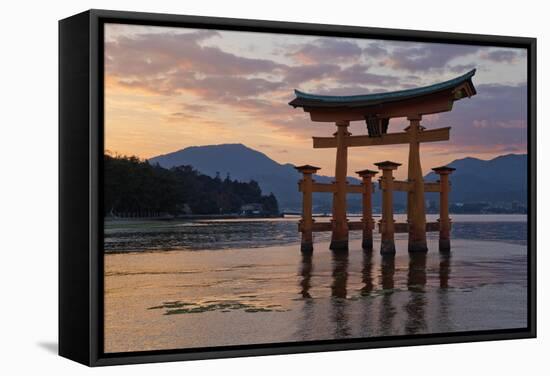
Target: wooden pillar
(368, 222)
(339, 205)
(416, 211)
(444, 219)
(386, 223)
(306, 223)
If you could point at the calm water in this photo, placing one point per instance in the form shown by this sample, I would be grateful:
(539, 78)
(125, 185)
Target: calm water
(217, 282)
(252, 233)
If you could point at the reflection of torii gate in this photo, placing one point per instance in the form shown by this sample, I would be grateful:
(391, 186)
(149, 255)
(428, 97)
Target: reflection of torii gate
(377, 110)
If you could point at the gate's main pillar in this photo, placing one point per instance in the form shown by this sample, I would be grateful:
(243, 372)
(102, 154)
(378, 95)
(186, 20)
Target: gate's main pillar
(444, 220)
(368, 223)
(416, 212)
(306, 224)
(339, 206)
(387, 227)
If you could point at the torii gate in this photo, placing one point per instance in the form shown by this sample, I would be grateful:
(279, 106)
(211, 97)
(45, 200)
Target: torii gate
(377, 110)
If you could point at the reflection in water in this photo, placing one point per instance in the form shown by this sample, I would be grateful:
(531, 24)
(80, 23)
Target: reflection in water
(416, 277)
(339, 317)
(387, 309)
(366, 274)
(380, 279)
(416, 283)
(387, 271)
(340, 262)
(443, 302)
(366, 290)
(305, 273)
(307, 323)
(444, 269)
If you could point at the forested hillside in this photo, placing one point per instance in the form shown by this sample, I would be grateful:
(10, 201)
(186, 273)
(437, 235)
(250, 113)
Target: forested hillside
(135, 187)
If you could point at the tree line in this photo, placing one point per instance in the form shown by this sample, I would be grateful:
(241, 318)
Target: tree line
(135, 187)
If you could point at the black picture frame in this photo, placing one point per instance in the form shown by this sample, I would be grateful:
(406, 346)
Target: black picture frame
(80, 186)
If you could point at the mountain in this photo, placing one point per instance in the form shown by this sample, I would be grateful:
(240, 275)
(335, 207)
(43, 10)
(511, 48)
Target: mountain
(499, 180)
(244, 164)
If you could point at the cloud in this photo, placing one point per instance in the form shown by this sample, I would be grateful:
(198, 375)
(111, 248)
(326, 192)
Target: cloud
(211, 87)
(227, 86)
(497, 115)
(425, 57)
(178, 116)
(375, 50)
(461, 68)
(356, 74)
(509, 124)
(342, 90)
(185, 118)
(170, 64)
(359, 74)
(326, 49)
(300, 74)
(453, 151)
(161, 54)
(193, 107)
(502, 55)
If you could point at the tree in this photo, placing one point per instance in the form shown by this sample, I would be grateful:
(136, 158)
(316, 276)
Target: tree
(134, 186)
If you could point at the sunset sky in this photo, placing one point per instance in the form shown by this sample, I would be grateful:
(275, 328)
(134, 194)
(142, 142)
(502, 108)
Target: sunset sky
(170, 88)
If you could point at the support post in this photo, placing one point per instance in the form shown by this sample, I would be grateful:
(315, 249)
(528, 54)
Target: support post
(416, 211)
(444, 219)
(368, 222)
(339, 206)
(387, 223)
(306, 223)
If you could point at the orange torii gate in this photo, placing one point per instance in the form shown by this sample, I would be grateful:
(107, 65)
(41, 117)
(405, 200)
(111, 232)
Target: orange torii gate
(377, 110)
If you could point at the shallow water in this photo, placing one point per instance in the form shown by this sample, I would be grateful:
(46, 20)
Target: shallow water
(274, 293)
(130, 236)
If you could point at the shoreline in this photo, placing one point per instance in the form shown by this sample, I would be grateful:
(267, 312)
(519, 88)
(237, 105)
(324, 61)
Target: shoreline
(189, 217)
(291, 216)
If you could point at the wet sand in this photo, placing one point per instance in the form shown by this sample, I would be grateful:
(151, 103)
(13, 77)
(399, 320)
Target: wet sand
(189, 298)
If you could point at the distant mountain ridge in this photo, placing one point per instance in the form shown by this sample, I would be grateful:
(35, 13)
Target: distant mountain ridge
(502, 179)
(244, 163)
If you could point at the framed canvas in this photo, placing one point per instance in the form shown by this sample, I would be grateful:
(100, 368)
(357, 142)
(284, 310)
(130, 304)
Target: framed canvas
(236, 187)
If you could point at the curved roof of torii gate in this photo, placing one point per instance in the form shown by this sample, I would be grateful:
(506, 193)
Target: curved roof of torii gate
(377, 99)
